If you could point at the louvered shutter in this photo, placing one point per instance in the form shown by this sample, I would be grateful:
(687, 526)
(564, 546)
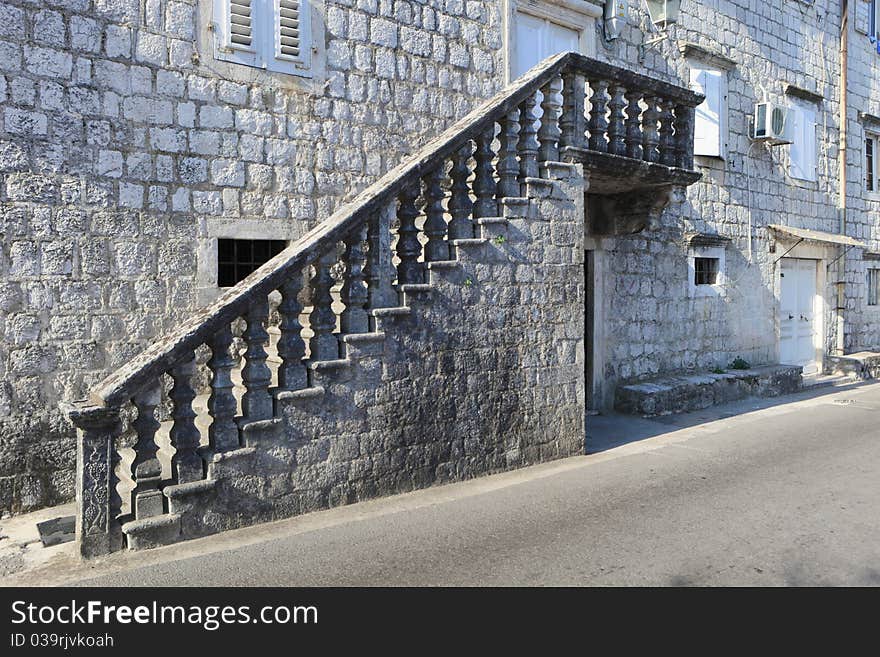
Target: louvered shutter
(292, 37)
(239, 31)
(708, 115)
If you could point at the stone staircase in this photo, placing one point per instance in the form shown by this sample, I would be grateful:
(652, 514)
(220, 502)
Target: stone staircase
(444, 337)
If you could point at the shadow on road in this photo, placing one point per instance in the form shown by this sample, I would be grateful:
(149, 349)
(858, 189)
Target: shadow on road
(612, 429)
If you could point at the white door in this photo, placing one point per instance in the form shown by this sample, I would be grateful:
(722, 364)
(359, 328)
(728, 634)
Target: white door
(798, 303)
(538, 38)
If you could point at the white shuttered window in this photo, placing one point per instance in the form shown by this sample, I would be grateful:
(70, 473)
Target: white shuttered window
(710, 117)
(271, 34)
(802, 153)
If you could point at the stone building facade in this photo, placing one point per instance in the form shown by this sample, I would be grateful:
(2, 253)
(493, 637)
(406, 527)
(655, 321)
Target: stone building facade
(132, 138)
(650, 319)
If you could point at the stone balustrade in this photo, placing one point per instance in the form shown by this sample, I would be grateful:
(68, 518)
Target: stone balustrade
(603, 116)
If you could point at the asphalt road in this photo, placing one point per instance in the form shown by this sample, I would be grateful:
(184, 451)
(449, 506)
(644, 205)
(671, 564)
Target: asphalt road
(786, 495)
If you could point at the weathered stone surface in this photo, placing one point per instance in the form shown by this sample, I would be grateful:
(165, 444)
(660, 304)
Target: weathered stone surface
(690, 392)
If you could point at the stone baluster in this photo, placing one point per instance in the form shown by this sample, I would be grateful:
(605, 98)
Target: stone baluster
(291, 347)
(147, 499)
(527, 147)
(667, 153)
(437, 248)
(256, 402)
(410, 270)
(684, 136)
(650, 136)
(380, 268)
(323, 344)
(460, 204)
(222, 406)
(573, 120)
(549, 132)
(616, 125)
(508, 165)
(598, 121)
(186, 464)
(354, 318)
(484, 176)
(98, 505)
(633, 123)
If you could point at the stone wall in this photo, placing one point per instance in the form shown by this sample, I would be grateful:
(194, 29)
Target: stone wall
(863, 216)
(125, 148)
(651, 324)
(486, 373)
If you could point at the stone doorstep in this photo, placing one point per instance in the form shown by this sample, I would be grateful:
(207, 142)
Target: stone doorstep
(689, 392)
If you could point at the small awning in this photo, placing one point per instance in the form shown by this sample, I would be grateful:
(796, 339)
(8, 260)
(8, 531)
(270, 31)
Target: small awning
(816, 236)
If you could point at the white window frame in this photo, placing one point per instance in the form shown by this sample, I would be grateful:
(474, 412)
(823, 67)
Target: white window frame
(573, 14)
(703, 148)
(716, 290)
(803, 153)
(264, 53)
(874, 137)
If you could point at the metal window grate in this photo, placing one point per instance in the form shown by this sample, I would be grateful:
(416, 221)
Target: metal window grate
(874, 287)
(236, 259)
(705, 271)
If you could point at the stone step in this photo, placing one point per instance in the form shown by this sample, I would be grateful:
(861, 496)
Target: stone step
(514, 206)
(153, 532)
(863, 365)
(382, 318)
(357, 345)
(690, 392)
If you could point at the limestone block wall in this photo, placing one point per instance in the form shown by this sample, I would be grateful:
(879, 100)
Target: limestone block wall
(125, 148)
(652, 325)
(863, 87)
(486, 373)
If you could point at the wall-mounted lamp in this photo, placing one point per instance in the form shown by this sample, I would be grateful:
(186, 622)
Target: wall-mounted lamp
(663, 13)
(615, 18)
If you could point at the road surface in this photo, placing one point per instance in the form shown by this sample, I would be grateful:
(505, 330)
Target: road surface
(779, 494)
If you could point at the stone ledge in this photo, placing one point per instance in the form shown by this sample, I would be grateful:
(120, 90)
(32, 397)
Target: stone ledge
(312, 392)
(691, 392)
(335, 364)
(189, 488)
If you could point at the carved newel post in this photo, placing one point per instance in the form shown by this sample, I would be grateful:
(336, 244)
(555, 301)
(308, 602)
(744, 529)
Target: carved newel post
(98, 504)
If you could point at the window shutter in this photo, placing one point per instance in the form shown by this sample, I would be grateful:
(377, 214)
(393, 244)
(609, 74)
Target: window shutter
(239, 25)
(803, 149)
(707, 126)
(291, 27)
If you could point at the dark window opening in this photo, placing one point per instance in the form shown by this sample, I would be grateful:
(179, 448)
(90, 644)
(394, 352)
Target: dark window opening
(238, 258)
(874, 287)
(869, 164)
(705, 271)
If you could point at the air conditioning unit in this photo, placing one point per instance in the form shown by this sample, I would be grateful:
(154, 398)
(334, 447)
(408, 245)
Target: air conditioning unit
(772, 124)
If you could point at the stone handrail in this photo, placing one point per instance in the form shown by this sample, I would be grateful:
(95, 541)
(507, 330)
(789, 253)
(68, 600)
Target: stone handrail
(630, 116)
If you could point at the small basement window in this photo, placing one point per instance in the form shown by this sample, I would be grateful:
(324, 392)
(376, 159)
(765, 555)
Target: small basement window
(706, 271)
(874, 287)
(236, 259)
